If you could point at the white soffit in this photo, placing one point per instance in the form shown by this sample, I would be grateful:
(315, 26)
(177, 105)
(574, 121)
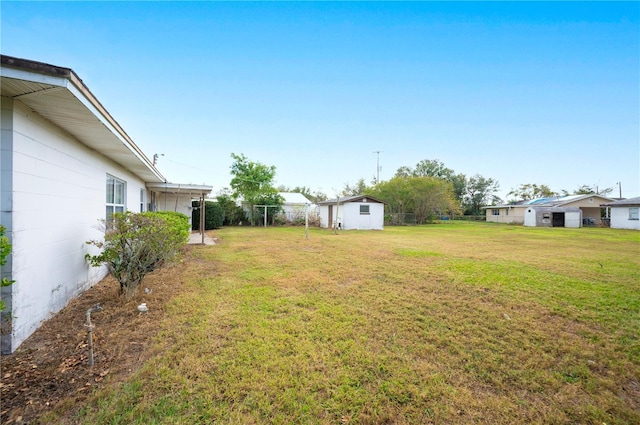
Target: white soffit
(58, 100)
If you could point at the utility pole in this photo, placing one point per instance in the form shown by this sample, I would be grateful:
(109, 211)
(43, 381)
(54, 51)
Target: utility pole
(620, 188)
(377, 167)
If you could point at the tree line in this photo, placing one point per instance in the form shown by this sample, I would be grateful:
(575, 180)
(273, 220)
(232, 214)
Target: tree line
(427, 190)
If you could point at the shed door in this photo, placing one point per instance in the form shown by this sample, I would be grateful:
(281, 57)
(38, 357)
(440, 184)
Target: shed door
(558, 219)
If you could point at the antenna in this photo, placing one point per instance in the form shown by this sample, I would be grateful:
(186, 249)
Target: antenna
(155, 158)
(377, 167)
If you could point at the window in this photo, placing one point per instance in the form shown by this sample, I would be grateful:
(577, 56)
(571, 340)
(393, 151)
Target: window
(495, 212)
(115, 196)
(364, 209)
(633, 213)
(141, 200)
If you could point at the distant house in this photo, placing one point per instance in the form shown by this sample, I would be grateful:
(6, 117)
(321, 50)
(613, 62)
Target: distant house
(66, 163)
(514, 213)
(537, 216)
(296, 205)
(352, 213)
(624, 214)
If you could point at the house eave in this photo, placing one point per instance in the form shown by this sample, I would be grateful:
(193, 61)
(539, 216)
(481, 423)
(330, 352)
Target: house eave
(59, 95)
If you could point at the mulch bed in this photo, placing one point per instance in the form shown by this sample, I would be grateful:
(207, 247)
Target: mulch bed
(50, 371)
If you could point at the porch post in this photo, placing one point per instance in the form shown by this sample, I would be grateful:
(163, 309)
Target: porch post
(202, 213)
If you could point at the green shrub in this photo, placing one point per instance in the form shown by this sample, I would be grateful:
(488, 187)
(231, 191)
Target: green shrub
(5, 250)
(176, 220)
(213, 215)
(136, 244)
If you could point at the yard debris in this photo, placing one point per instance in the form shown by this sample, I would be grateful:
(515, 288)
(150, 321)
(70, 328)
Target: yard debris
(506, 316)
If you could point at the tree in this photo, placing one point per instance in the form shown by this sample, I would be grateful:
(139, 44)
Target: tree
(459, 182)
(404, 171)
(357, 189)
(213, 215)
(588, 190)
(480, 191)
(436, 168)
(232, 214)
(530, 191)
(274, 205)
(253, 181)
(136, 244)
(433, 168)
(426, 197)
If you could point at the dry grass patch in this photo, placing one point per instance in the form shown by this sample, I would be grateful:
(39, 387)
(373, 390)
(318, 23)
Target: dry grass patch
(451, 323)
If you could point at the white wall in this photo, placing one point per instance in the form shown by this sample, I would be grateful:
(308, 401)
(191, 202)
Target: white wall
(350, 218)
(323, 211)
(620, 219)
(353, 220)
(59, 194)
(508, 215)
(175, 202)
(573, 219)
(530, 217)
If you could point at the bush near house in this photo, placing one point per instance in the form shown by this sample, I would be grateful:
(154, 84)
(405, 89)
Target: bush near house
(5, 250)
(135, 244)
(213, 215)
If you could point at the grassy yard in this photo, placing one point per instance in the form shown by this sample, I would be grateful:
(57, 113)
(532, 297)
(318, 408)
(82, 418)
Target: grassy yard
(448, 323)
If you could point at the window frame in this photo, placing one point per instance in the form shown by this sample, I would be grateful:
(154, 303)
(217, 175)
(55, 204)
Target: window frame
(634, 213)
(116, 196)
(362, 210)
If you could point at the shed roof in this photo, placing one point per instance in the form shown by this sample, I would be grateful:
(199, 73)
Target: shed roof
(356, 198)
(553, 208)
(59, 95)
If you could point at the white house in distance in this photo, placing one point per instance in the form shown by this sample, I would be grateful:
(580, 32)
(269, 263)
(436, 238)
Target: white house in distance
(359, 212)
(514, 213)
(625, 214)
(66, 164)
(296, 206)
(536, 216)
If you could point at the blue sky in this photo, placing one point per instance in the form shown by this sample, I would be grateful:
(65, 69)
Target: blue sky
(540, 92)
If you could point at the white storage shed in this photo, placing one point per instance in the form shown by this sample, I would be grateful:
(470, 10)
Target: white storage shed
(359, 212)
(536, 216)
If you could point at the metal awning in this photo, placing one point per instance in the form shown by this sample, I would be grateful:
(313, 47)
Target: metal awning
(196, 191)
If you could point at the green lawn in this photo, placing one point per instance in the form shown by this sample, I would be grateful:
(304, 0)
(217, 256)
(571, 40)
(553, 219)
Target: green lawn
(447, 323)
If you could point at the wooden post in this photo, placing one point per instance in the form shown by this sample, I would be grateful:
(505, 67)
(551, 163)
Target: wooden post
(202, 221)
(335, 220)
(306, 221)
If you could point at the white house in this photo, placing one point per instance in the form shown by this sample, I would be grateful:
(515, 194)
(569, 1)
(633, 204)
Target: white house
(515, 212)
(296, 205)
(359, 212)
(66, 163)
(625, 214)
